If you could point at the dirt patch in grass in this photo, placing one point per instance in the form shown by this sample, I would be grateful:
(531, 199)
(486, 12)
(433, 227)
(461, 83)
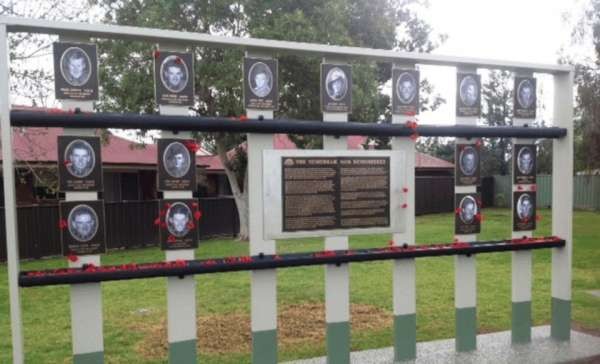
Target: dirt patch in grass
(231, 333)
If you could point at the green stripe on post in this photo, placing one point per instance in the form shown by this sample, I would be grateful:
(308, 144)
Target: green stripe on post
(183, 352)
(466, 329)
(89, 358)
(338, 343)
(561, 319)
(521, 322)
(405, 337)
(264, 347)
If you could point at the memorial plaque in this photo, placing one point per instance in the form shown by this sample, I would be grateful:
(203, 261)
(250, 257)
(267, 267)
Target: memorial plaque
(178, 224)
(324, 193)
(75, 71)
(524, 164)
(79, 163)
(524, 211)
(82, 227)
(525, 97)
(468, 94)
(260, 84)
(467, 218)
(466, 166)
(174, 78)
(405, 98)
(336, 88)
(176, 165)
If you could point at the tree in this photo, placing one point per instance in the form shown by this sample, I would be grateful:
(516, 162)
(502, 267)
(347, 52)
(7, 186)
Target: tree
(126, 67)
(586, 33)
(31, 82)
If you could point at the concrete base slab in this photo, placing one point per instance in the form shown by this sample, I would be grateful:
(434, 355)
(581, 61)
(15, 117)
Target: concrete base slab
(491, 348)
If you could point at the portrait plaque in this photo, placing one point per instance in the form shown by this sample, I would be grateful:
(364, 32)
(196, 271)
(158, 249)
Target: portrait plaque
(75, 71)
(468, 94)
(176, 165)
(467, 218)
(79, 163)
(174, 78)
(260, 84)
(336, 88)
(405, 91)
(524, 164)
(178, 227)
(525, 97)
(524, 211)
(335, 193)
(466, 166)
(82, 227)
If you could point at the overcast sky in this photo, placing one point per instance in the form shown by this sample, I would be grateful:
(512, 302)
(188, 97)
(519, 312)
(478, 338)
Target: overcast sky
(516, 30)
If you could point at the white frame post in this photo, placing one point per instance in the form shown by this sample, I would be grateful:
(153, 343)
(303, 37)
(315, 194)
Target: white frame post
(337, 277)
(10, 204)
(404, 274)
(181, 292)
(263, 282)
(521, 261)
(86, 299)
(465, 274)
(562, 207)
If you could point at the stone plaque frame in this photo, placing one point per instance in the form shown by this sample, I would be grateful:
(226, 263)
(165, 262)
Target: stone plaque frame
(272, 193)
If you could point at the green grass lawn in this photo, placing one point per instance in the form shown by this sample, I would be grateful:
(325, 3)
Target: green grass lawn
(129, 305)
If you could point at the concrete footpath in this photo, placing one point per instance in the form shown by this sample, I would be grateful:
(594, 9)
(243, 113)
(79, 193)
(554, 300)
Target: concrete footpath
(491, 348)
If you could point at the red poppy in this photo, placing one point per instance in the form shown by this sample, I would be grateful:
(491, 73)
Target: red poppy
(457, 210)
(67, 163)
(405, 189)
(404, 205)
(192, 146)
(411, 124)
(243, 118)
(156, 54)
(191, 225)
(178, 60)
(195, 204)
(479, 217)
(72, 258)
(62, 224)
(478, 143)
(197, 215)
(171, 239)
(157, 221)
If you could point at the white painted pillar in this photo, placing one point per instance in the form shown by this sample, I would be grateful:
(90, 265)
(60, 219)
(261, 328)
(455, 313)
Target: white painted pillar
(521, 260)
(181, 292)
(264, 282)
(337, 279)
(403, 275)
(86, 299)
(465, 278)
(10, 204)
(562, 207)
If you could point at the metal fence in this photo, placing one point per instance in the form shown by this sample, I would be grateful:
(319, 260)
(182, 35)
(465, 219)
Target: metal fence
(129, 224)
(586, 191)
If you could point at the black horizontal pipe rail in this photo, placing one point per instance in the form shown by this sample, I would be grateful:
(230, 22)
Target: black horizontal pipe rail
(284, 126)
(181, 268)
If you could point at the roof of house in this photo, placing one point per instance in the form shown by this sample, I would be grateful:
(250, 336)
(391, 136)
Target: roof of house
(39, 145)
(282, 141)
